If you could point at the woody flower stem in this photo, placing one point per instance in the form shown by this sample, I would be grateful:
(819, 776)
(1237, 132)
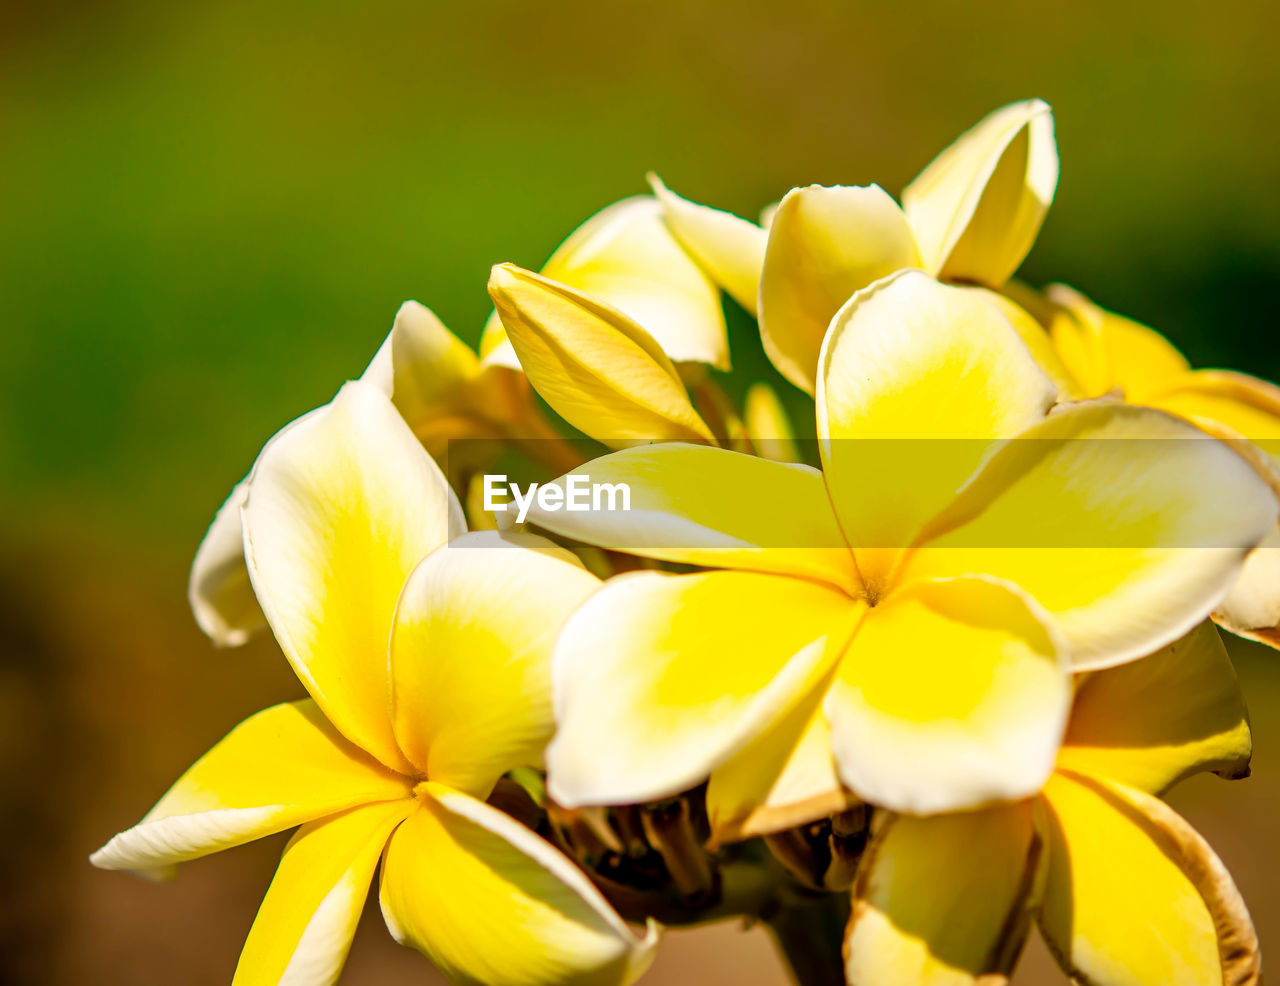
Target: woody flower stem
(809, 933)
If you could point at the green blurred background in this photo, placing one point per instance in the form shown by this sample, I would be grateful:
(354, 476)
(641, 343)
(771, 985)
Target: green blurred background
(211, 210)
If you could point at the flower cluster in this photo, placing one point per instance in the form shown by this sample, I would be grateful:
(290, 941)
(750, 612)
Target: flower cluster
(901, 673)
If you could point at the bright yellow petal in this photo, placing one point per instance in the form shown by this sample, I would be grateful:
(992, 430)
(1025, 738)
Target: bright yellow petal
(976, 209)
(944, 901)
(713, 507)
(824, 244)
(730, 249)
(768, 426)
(306, 922)
(1134, 896)
(1248, 406)
(279, 768)
(1105, 351)
(600, 371)
(1152, 722)
(471, 655)
(783, 778)
(491, 903)
(626, 257)
(952, 695)
(1126, 524)
(661, 678)
(219, 591)
(917, 380)
(342, 505)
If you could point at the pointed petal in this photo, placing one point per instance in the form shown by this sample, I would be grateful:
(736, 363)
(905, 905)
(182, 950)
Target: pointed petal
(1134, 896)
(730, 249)
(660, 678)
(713, 507)
(342, 505)
(937, 371)
(279, 768)
(219, 591)
(768, 426)
(304, 927)
(471, 655)
(1104, 350)
(1152, 722)
(599, 370)
(1126, 524)
(944, 901)
(783, 778)
(626, 257)
(824, 244)
(976, 209)
(490, 902)
(951, 696)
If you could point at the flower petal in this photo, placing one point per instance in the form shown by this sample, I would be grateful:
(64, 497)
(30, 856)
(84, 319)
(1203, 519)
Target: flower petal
(601, 371)
(1105, 351)
(767, 424)
(976, 209)
(1134, 896)
(627, 258)
(1126, 524)
(661, 678)
(1252, 607)
(304, 927)
(917, 380)
(279, 768)
(219, 591)
(951, 696)
(490, 902)
(824, 244)
(471, 655)
(783, 778)
(1152, 722)
(342, 505)
(730, 249)
(707, 506)
(944, 901)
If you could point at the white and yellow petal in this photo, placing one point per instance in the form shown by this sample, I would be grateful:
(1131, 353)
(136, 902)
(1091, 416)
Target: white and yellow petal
(626, 257)
(1126, 524)
(342, 505)
(944, 901)
(1134, 896)
(824, 244)
(767, 424)
(708, 506)
(1152, 722)
(304, 927)
(219, 591)
(491, 903)
(952, 695)
(471, 655)
(661, 678)
(917, 381)
(600, 370)
(277, 769)
(976, 209)
(727, 247)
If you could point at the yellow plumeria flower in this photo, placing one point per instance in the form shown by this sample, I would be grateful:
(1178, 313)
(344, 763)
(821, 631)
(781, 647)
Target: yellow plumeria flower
(1125, 891)
(903, 622)
(598, 369)
(345, 525)
(625, 257)
(1110, 355)
(970, 217)
(439, 387)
